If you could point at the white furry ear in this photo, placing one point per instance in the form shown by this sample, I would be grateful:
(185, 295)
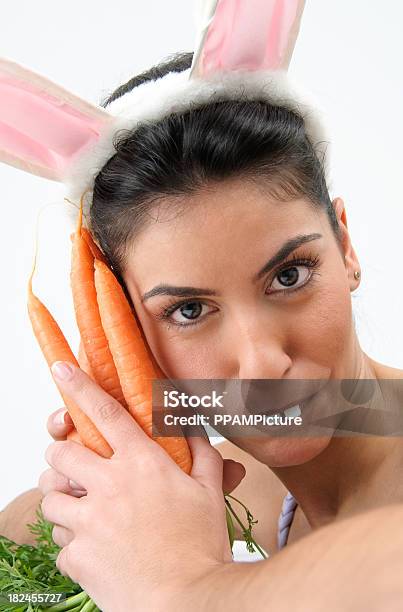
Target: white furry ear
(43, 127)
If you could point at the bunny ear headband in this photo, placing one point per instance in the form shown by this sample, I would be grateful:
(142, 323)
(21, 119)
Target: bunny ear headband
(243, 50)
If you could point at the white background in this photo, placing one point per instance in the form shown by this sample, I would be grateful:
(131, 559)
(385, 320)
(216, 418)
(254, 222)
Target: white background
(348, 54)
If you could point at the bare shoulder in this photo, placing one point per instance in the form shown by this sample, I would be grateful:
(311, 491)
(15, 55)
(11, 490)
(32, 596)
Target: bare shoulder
(261, 491)
(15, 516)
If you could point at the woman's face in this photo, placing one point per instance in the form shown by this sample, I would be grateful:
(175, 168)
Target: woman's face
(239, 285)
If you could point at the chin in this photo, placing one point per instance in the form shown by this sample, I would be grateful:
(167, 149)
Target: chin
(283, 452)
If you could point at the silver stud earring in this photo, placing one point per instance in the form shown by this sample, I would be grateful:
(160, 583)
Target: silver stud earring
(357, 275)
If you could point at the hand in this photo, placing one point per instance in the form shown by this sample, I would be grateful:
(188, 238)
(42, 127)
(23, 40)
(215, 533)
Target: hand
(60, 424)
(145, 531)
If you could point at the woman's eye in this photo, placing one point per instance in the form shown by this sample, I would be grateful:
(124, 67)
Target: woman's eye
(293, 277)
(188, 312)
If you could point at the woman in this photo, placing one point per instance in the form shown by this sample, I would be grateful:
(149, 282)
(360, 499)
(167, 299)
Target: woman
(227, 205)
(189, 212)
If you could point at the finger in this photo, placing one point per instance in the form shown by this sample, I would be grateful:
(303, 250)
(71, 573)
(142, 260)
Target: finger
(60, 508)
(50, 480)
(233, 473)
(76, 489)
(59, 424)
(110, 418)
(78, 492)
(61, 535)
(207, 465)
(63, 563)
(75, 486)
(75, 461)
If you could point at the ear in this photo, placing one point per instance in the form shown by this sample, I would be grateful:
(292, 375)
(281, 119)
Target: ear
(43, 127)
(250, 35)
(350, 257)
(340, 210)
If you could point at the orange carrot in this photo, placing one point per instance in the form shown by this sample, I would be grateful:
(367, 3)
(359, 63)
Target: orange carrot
(55, 348)
(83, 360)
(113, 349)
(85, 366)
(133, 364)
(95, 343)
(96, 251)
(157, 370)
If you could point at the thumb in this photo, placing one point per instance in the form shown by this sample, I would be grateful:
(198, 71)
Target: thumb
(208, 463)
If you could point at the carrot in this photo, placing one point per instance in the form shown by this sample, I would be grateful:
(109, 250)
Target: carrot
(83, 361)
(133, 364)
(85, 366)
(95, 343)
(96, 251)
(55, 347)
(157, 370)
(123, 369)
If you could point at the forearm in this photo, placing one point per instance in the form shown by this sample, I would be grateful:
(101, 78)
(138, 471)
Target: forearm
(15, 516)
(355, 564)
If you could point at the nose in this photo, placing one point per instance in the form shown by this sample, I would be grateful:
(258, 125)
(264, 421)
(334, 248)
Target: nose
(260, 352)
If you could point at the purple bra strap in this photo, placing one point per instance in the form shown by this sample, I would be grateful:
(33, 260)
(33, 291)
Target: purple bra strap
(285, 519)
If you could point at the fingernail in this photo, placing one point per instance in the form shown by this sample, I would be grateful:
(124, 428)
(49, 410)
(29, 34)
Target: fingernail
(62, 370)
(78, 493)
(74, 485)
(63, 418)
(59, 418)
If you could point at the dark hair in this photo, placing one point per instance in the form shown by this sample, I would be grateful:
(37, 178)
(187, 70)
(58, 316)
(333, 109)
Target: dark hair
(185, 152)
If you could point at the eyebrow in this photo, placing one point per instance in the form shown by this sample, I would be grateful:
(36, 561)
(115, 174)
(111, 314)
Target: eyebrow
(287, 248)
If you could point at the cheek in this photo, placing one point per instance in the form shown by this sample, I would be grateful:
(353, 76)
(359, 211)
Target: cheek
(180, 355)
(182, 359)
(324, 327)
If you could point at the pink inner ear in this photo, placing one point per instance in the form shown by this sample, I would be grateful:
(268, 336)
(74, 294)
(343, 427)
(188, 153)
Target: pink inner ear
(40, 132)
(251, 35)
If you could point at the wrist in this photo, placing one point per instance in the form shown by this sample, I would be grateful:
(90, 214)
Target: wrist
(196, 593)
(214, 589)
